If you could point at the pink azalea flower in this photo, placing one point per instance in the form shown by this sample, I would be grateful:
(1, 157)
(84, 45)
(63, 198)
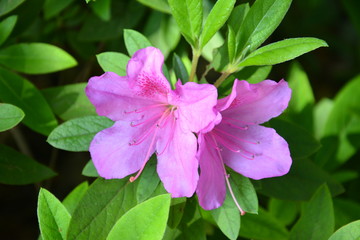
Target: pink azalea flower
(239, 142)
(150, 117)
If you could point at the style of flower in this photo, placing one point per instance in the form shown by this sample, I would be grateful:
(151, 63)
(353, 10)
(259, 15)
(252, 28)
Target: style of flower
(239, 142)
(150, 117)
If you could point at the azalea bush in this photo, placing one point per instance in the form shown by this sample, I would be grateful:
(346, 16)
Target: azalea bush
(176, 120)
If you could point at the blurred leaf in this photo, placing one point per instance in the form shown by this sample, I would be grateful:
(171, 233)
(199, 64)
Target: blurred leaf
(195, 231)
(317, 217)
(353, 7)
(135, 41)
(113, 62)
(284, 211)
(321, 113)
(343, 176)
(145, 221)
(53, 217)
(99, 209)
(262, 226)
(89, 170)
(69, 101)
(262, 19)
(346, 211)
(102, 9)
(54, 7)
(208, 50)
(9, 5)
(176, 213)
(72, 199)
(23, 94)
(188, 15)
(6, 27)
(237, 17)
(36, 58)
(215, 20)
(148, 181)
(76, 134)
(160, 5)
(348, 232)
(18, 169)
(244, 192)
(180, 69)
(10, 116)
(300, 183)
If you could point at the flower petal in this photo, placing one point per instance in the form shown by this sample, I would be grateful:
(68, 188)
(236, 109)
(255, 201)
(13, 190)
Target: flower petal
(112, 154)
(177, 165)
(196, 104)
(257, 103)
(263, 153)
(211, 189)
(144, 72)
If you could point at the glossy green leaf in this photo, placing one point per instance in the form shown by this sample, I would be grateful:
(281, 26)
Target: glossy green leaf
(300, 183)
(231, 43)
(348, 232)
(18, 169)
(36, 58)
(72, 200)
(135, 41)
(54, 7)
(53, 217)
(244, 192)
(262, 19)
(113, 62)
(99, 209)
(237, 16)
(188, 15)
(6, 27)
(10, 116)
(76, 134)
(102, 9)
(145, 221)
(90, 170)
(69, 101)
(216, 19)
(148, 181)
(160, 5)
(317, 217)
(23, 94)
(285, 211)
(180, 69)
(262, 226)
(282, 51)
(227, 217)
(9, 5)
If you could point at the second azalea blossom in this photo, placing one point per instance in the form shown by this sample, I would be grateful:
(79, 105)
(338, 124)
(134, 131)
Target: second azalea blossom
(150, 117)
(240, 142)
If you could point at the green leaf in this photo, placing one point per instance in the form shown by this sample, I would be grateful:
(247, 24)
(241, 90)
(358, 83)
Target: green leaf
(215, 42)
(180, 69)
(36, 58)
(145, 221)
(54, 7)
(282, 51)
(113, 62)
(23, 94)
(6, 27)
(231, 43)
(135, 41)
(244, 193)
(194, 231)
(262, 226)
(285, 211)
(262, 19)
(69, 101)
(53, 217)
(216, 19)
(176, 213)
(348, 232)
(73, 198)
(148, 181)
(102, 9)
(9, 5)
(227, 217)
(99, 209)
(160, 5)
(346, 211)
(76, 134)
(300, 183)
(188, 15)
(10, 116)
(317, 217)
(237, 17)
(90, 170)
(321, 114)
(18, 169)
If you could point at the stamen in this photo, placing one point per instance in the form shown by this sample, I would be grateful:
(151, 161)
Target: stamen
(147, 120)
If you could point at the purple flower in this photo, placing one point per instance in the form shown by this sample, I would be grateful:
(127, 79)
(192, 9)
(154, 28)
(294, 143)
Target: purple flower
(150, 117)
(239, 142)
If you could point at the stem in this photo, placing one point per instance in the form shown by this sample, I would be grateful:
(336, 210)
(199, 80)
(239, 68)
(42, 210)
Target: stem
(194, 63)
(221, 79)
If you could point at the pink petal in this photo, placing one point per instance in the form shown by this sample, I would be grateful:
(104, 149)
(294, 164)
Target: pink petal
(211, 189)
(144, 72)
(111, 153)
(263, 153)
(257, 103)
(177, 165)
(196, 104)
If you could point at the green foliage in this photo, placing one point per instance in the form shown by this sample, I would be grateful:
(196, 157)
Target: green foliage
(348, 232)
(148, 181)
(113, 62)
(90, 170)
(134, 41)
(7, 6)
(72, 199)
(10, 116)
(6, 27)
